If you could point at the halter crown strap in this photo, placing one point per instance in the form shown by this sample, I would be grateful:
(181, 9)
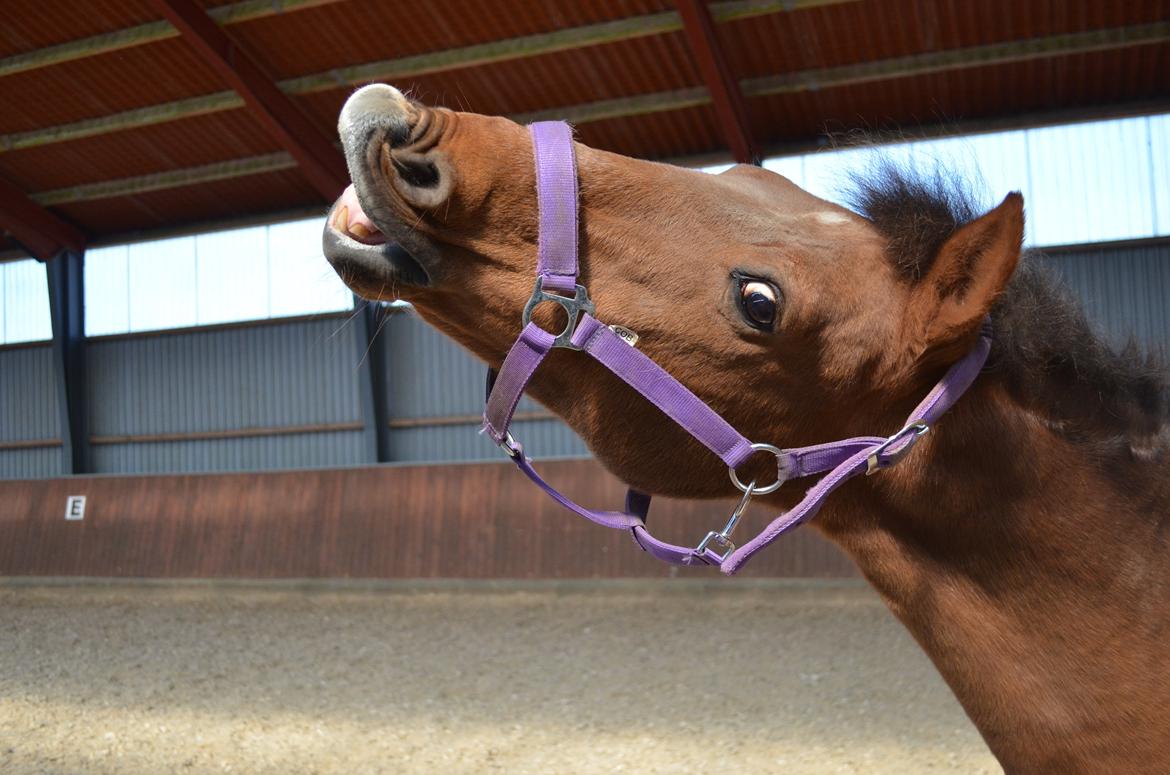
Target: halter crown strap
(556, 196)
(556, 184)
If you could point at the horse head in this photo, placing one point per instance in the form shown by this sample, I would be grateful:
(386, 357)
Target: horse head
(788, 314)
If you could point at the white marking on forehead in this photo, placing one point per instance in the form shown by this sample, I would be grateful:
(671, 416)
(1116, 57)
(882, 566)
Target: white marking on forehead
(831, 218)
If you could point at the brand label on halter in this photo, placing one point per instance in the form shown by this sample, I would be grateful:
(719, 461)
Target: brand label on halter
(627, 336)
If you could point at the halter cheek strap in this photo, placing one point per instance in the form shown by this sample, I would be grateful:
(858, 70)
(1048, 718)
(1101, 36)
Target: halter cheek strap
(556, 183)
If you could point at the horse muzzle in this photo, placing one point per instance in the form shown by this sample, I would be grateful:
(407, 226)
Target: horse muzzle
(389, 145)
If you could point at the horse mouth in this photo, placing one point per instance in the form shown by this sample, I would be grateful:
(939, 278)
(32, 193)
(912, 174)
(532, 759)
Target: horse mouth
(365, 259)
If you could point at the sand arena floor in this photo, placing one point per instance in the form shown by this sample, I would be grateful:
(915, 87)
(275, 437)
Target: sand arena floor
(636, 677)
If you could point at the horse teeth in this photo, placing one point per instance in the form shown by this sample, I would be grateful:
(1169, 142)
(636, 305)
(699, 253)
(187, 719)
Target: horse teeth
(341, 219)
(359, 231)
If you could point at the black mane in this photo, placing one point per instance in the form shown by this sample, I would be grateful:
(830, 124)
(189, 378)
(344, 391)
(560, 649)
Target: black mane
(1047, 352)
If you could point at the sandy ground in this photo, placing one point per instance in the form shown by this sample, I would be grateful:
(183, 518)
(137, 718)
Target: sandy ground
(675, 677)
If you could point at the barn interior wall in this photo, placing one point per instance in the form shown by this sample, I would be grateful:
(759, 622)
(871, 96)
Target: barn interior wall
(28, 414)
(396, 521)
(1125, 290)
(429, 376)
(278, 377)
(269, 378)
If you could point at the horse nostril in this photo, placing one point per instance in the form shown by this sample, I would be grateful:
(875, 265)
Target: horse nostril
(417, 172)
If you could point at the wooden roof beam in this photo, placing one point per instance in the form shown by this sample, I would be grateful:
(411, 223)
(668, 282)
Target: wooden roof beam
(721, 84)
(321, 163)
(41, 232)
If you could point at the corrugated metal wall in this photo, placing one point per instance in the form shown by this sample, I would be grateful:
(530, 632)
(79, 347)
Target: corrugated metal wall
(301, 373)
(1126, 289)
(305, 373)
(429, 376)
(28, 412)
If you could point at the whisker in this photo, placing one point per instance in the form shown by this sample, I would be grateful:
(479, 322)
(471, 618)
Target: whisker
(358, 308)
(373, 339)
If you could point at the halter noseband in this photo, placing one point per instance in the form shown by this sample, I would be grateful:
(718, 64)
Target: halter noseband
(615, 348)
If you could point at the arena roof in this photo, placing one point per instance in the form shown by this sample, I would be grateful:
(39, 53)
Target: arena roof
(134, 117)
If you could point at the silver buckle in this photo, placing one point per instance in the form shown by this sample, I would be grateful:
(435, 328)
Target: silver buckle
(723, 537)
(782, 472)
(573, 306)
(911, 433)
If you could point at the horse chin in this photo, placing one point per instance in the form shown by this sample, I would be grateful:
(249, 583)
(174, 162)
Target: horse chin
(372, 270)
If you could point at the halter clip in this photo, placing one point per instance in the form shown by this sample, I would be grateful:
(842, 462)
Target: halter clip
(910, 435)
(722, 538)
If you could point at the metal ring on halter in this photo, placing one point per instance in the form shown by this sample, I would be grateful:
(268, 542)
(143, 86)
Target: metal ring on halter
(782, 471)
(573, 306)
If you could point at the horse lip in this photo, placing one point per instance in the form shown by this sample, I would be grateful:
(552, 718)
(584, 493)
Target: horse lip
(376, 263)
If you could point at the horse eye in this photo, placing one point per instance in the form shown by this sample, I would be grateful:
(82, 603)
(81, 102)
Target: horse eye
(758, 299)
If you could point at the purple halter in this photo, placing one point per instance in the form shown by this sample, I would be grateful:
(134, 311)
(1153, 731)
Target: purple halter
(615, 348)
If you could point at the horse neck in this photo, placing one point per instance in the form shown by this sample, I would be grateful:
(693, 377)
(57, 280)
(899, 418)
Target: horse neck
(1036, 574)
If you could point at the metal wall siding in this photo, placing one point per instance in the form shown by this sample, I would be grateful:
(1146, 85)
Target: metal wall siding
(269, 375)
(299, 373)
(28, 411)
(28, 395)
(542, 439)
(30, 463)
(428, 375)
(1125, 290)
(307, 450)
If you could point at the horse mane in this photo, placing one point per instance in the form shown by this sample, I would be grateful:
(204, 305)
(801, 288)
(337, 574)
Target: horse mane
(1048, 354)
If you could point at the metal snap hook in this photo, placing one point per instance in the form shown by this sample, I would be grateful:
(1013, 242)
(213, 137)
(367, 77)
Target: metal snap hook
(723, 537)
(782, 472)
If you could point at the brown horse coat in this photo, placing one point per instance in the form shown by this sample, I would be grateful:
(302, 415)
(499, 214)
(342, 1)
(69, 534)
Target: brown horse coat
(1025, 543)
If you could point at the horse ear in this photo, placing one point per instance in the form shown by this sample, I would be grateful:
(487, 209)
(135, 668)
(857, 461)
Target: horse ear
(971, 269)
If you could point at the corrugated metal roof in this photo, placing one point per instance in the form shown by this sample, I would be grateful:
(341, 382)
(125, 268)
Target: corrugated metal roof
(987, 92)
(353, 33)
(104, 84)
(173, 145)
(279, 191)
(32, 24)
(871, 30)
(315, 39)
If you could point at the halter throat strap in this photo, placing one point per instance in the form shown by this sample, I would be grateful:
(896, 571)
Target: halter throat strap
(613, 347)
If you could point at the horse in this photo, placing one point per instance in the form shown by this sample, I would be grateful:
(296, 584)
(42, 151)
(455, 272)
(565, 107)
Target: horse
(1025, 542)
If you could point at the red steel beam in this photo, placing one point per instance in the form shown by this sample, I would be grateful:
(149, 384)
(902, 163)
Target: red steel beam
(723, 86)
(320, 162)
(39, 231)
